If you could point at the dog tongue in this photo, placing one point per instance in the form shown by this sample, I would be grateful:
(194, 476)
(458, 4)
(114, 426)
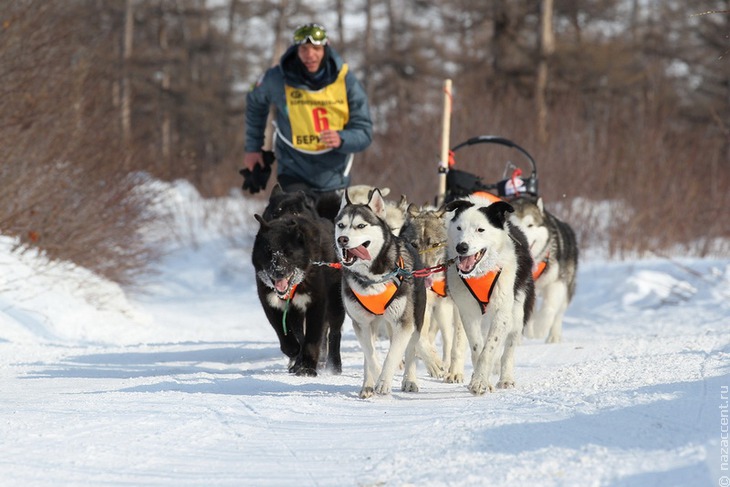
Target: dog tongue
(360, 252)
(282, 285)
(466, 264)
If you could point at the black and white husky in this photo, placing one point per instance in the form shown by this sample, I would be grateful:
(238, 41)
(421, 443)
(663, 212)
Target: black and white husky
(378, 290)
(555, 251)
(491, 284)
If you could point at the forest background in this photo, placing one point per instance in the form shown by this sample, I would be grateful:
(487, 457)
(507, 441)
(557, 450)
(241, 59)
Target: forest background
(624, 104)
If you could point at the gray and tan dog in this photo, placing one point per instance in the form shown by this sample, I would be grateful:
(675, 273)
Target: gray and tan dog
(428, 234)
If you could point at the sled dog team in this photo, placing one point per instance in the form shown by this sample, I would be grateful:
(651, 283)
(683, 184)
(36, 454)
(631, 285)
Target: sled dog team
(473, 270)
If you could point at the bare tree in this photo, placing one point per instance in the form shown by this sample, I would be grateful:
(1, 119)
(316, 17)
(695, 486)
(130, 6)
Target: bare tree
(546, 49)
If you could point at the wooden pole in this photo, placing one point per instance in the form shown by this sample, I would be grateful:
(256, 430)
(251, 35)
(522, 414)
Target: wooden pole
(445, 144)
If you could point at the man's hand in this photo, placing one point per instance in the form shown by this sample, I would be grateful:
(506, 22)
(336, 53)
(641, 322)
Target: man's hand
(257, 171)
(250, 159)
(330, 138)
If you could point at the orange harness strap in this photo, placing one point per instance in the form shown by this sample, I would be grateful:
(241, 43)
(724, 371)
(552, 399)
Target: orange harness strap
(481, 287)
(491, 197)
(378, 303)
(539, 269)
(439, 287)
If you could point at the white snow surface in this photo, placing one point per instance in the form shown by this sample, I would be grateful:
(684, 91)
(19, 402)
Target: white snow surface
(182, 383)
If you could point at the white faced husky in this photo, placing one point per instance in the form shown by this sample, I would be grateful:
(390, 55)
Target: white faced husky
(377, 289)
(555, 251)
(491, 284)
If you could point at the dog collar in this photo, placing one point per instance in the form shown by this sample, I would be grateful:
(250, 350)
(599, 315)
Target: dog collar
(290, 293)
(481, 287)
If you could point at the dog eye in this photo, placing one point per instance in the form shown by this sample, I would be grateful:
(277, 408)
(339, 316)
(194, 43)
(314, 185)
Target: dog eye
(458, 228)
(361, 226)
(340, 225)
(480, 230)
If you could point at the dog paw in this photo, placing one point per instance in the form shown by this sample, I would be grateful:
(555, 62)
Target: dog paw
(306, 372)
(506, 384)
(435, 370)
(553, 339)
(454, 378)
(479, 387)
(334, 369)
(409, 386)
(382, 388)
(366, 392)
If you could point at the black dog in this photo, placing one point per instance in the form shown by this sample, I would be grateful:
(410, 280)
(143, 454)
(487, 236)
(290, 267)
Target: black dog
(289, 203)
(301, 299)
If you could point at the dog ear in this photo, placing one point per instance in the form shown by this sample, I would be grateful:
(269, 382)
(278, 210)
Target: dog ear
(377, 203)
(261, 221)
(496, 213)
(540, 205)
(276, 190)
(458, 206)
(413, 210)
(345, 199)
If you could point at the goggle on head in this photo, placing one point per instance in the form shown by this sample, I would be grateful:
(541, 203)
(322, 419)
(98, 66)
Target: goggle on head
(314, 33)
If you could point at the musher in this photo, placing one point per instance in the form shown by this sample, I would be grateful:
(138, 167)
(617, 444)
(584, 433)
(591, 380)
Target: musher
(322, 116)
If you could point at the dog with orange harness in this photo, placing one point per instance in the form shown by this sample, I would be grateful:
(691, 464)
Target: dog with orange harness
(554, 249)
(491, 283)
(379, 289)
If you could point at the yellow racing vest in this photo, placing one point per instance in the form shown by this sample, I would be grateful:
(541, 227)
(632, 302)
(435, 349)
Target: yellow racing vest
(311, 112)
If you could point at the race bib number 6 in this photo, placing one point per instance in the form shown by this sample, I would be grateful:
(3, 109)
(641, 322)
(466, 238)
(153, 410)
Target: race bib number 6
(311, 112)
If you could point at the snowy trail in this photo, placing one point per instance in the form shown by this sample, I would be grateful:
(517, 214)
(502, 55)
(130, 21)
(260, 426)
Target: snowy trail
(185, 386)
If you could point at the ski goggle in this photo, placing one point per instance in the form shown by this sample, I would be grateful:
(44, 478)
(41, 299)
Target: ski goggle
(313, 33)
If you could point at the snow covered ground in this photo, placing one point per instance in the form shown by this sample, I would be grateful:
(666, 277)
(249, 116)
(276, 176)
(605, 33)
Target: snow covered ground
(182, 384)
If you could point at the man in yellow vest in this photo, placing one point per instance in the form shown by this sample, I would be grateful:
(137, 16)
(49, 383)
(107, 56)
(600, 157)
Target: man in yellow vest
(322, 115)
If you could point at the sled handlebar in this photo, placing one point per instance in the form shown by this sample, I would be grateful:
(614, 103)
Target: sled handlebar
(493, 139)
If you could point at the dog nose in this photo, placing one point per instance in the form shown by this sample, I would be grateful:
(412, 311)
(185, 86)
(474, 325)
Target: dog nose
(462, 248)
(343, 240)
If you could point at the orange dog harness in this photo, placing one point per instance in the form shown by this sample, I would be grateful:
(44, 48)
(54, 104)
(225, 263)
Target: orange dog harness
(439, 287)
(378, 303)
(481, 287)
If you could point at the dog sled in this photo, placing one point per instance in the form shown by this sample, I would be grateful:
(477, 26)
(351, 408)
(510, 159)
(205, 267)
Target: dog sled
(517, 179)
(455, 183)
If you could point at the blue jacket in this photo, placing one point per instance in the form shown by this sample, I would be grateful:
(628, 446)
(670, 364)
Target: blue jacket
(323, 172)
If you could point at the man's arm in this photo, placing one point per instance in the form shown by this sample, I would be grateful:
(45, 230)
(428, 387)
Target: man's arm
(358, 132)
(257, 109)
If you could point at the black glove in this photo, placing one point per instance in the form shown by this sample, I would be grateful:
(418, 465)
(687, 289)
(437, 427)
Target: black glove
(255, 181)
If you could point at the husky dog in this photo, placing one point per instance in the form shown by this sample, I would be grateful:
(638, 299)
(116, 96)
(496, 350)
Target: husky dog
(378, 289)
(491, 284)
(555, 251)
(429, 237)
(301, 300)
(395, 214)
